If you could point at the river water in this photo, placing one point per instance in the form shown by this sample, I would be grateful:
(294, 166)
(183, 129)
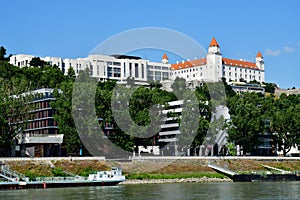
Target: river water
(215, 190)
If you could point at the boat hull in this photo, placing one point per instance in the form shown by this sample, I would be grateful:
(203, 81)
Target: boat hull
(44, 185)
(268, 177)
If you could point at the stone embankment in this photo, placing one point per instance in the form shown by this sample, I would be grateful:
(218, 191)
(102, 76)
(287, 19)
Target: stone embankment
(175, 180)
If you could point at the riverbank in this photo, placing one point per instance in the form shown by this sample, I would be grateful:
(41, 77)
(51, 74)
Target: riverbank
(151, 170)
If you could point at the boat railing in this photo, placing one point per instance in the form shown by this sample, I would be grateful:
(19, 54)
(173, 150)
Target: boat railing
(54, 179)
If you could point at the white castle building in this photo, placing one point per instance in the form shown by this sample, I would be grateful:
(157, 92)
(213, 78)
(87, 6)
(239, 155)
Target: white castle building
(213, 67)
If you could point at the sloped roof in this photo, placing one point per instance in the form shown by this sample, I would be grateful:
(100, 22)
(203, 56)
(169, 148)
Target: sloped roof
(188, 64)
(214, 43)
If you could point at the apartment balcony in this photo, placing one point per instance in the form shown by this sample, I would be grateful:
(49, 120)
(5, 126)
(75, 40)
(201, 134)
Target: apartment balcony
(170, 125)
(40, 138)
(167, 140)
(175, 132)
(172, 110)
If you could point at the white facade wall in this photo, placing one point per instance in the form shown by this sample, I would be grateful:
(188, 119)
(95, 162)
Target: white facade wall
(105, 67)
(214, 70)
(158, 71)
(235, 73)
(21, 60)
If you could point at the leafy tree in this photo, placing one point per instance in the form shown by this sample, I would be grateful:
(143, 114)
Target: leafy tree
(64, 118)
(37, 62)
(2, 53)
(71, 74)
(270, 87)
(13, 109)
(285, 122)
(246, 121)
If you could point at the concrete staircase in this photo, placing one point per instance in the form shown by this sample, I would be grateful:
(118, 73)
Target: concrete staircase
(10, 175)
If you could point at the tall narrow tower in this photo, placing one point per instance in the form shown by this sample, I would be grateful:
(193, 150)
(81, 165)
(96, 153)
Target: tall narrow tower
(214, 62)
(260, 61)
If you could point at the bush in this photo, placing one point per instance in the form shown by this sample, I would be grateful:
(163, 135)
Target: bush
(31, 175)
(58, 172)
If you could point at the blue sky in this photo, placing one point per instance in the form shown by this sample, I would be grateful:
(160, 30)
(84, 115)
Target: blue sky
(242, 28)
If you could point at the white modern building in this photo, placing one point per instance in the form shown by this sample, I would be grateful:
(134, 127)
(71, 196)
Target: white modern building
(116, 67)
(214, 66)
(170, 130)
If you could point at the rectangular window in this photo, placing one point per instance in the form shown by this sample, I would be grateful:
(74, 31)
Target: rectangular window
(157, 76)
(165, 75)
(143, 71)
(124, 69)
(117, 63)
(109, 71)
(130, 69)
(136, 66)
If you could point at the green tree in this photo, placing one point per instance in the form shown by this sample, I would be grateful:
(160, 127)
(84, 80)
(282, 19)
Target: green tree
(270, 87)
(37, 62)
(246, 121)
(2, 53)
(285, 122)
(71, 74)
(64, 118)
(14, 108)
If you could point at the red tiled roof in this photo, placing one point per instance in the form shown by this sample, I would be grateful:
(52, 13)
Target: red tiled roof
(165, 56)
(214, 43)
(187, 64)
(259, 55)
(202, 61)
(239, 63)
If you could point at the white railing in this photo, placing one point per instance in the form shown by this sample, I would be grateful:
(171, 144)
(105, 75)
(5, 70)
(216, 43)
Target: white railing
(49, 158)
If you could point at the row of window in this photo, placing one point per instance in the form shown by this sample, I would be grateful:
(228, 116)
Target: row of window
(33, 133)
(41, 124)
(245, 70)
(241, 76)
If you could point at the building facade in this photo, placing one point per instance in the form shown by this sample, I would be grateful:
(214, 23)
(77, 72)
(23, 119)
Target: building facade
(115, 67)
(40, 136)
(214, 66)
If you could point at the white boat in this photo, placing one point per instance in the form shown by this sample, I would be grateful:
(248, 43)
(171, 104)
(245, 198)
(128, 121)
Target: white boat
(100, 178)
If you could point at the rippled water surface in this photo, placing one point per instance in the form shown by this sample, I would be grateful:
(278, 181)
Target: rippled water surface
(222, 190)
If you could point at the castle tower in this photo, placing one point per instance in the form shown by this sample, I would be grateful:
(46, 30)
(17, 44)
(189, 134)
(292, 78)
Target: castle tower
(165, 59)
(260, 61)
(214, 62)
